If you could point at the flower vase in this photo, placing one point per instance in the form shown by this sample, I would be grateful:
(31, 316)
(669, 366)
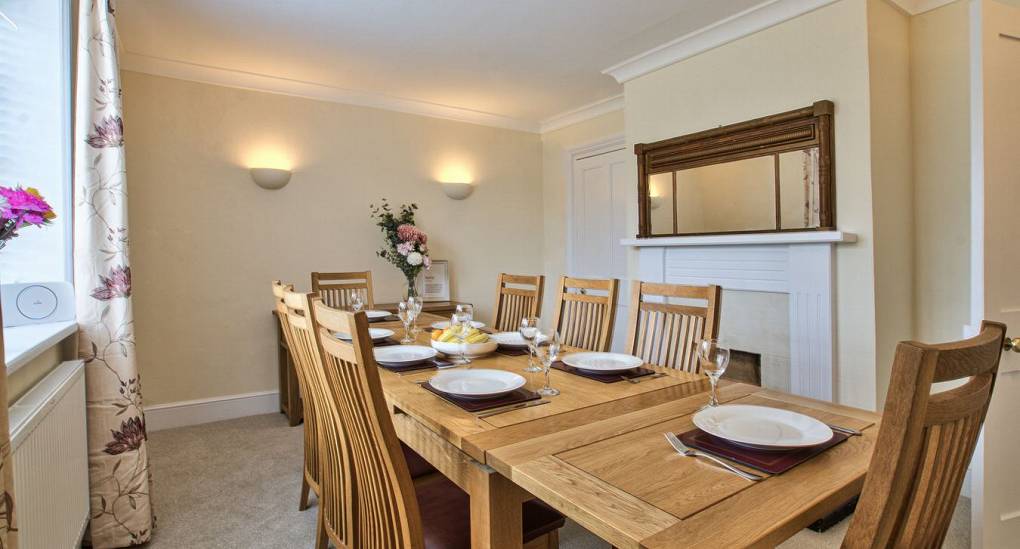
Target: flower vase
(413, 289)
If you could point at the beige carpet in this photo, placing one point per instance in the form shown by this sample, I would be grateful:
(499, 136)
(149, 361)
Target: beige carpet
(234, 484)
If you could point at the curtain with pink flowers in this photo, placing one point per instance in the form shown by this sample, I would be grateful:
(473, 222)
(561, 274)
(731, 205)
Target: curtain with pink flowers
(118, 459)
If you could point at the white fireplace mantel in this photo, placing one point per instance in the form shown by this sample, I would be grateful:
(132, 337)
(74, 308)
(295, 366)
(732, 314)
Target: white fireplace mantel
(796, 263)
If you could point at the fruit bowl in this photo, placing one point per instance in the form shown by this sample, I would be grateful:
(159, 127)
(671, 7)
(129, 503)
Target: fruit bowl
(471, 350)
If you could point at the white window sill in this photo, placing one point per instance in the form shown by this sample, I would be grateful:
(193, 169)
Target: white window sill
(23, 343)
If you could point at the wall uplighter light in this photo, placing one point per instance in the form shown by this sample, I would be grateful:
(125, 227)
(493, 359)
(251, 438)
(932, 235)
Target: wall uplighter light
(456, 181)
(270, 178)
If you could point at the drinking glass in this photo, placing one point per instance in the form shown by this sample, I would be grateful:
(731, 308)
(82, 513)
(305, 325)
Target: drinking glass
(529, 331)
(461, 324)
(467, 310)
(714, 360)
(550, 355)
(405, 311)
(355, 300)
(415, 304)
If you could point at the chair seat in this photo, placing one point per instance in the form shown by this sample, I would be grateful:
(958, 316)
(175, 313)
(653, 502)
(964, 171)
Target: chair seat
(415, 463)
(446, 516)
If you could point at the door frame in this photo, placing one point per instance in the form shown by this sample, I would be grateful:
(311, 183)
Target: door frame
(592, 148)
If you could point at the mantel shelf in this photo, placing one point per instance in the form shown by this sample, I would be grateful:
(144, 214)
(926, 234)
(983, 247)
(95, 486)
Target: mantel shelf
(806, 237)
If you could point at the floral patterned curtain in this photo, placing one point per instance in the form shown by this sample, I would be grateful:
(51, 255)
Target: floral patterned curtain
(118, 458)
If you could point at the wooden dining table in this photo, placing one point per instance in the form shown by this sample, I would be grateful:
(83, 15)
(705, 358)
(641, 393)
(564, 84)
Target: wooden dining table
(596, 452)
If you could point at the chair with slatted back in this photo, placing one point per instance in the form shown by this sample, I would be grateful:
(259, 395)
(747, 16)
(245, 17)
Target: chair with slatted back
(335, 288)
(310, 477)
(585, 312)
(926, 441)
(666, 333)
(334, 495)
(388, 511)
(517, 296)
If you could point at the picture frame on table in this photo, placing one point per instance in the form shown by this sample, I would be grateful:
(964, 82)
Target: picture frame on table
(435, 281)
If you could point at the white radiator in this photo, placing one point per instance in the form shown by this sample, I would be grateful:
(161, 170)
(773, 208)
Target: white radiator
(51, 473)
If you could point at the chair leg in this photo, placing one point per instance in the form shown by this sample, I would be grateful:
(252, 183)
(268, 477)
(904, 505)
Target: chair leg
(305, 488)
(321, 539)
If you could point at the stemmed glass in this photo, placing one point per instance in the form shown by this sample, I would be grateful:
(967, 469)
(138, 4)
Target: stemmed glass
(415, 304)
(461, 324)
(354, 299)
(467, 310)
(551, 353)
(529, 331)
(714, 360)
(405, 311)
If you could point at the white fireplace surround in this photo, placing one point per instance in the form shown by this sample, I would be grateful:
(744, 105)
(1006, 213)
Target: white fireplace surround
(799, 264)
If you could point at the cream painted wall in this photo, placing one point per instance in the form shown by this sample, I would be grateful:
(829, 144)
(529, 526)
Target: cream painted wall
(820, 55)
(207, 241)
(940, 98)
(891, 182)
(556, 145)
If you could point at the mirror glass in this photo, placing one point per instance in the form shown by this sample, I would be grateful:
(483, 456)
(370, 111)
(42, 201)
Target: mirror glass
(728, 197)
(799, 189)
(660, 197)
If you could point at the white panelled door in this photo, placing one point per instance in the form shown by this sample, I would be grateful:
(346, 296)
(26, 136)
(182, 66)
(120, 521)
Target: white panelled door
(602, 182)
(996, 264)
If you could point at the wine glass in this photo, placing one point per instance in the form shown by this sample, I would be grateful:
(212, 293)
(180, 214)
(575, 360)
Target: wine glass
(550, 355)
(405, 311)
(355, 301)
(461, 325)
(467, 310)
(714, 360)
(529, 331)
(415, 304)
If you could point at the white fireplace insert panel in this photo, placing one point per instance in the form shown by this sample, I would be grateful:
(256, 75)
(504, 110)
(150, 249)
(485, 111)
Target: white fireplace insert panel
(798, 264)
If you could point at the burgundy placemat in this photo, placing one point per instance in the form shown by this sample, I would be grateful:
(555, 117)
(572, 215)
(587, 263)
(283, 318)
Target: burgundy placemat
(391, 318)
(774, 463)
(427, 365)
(516, 397)
(385, 342)
(604, 378)
(511, 351)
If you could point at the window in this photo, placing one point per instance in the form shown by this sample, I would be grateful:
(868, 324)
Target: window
(35, 132)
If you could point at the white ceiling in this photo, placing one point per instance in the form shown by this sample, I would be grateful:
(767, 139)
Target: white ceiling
(527, 60)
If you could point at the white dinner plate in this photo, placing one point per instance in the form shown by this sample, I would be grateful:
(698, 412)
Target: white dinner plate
(477, 384)
(762, 427)
(602, 363)
(512, 339)
(372, 315)
(374, 333)
(444, 324)
(403, 355)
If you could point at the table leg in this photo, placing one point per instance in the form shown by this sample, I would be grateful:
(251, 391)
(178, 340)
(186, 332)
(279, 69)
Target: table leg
(495, 511)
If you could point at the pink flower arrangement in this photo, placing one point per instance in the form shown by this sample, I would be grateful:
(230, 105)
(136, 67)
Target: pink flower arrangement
(21, 207)
(405, 244)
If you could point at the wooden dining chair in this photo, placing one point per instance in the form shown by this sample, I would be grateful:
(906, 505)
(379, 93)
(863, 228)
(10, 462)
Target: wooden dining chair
(388, 511)
(667, 333)
(310, 475)
(926, 441)
(517, 296)
(335, 288)
(585, 312)
(333, 494)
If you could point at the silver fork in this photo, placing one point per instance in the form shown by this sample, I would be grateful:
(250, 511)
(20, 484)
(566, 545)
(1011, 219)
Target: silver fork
(685, 451)
(636, 380)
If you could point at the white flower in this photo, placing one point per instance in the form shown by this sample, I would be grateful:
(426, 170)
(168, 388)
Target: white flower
(414, 259)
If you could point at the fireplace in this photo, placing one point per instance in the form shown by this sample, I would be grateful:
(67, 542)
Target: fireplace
(761, 274)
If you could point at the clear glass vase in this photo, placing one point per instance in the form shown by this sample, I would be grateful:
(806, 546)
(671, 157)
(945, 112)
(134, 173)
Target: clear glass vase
(413, 287)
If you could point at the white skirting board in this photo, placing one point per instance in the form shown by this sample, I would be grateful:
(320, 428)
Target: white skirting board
(207, 410)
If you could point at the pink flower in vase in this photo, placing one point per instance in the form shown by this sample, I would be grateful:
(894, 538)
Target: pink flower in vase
(410, 233)
(405, 248)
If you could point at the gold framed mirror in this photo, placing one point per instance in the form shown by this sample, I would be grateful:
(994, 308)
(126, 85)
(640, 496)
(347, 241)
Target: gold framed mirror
(771, 174)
